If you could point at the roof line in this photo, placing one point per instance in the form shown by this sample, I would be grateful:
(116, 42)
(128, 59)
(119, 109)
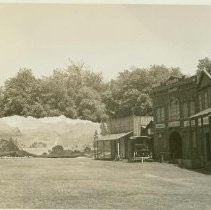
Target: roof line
(201, 113)
(116, 137)
(207, 73)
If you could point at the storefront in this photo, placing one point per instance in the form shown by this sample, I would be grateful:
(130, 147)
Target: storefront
(124, 137)
(182, 110)
(201, 138)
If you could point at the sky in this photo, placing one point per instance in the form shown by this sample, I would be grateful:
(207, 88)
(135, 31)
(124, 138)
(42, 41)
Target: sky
(107, 38)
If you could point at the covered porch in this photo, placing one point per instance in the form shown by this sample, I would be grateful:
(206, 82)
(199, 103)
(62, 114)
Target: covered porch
(123, 146)
(202, 140)
(112, 146)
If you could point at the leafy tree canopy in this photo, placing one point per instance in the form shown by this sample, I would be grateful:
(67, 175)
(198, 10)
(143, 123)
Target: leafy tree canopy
(77, 92)
(130, 92)
(204, 63)
(74, 92)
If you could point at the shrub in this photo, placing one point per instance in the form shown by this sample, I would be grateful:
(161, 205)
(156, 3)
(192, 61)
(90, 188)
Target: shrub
(8, 145)
(87, 149)
(57, 149)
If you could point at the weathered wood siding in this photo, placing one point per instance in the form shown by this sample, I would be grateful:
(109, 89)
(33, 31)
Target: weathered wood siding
(120, 125)
(127, 124)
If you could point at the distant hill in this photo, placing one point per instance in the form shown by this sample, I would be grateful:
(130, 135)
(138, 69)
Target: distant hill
(71, 134)
(8, 131)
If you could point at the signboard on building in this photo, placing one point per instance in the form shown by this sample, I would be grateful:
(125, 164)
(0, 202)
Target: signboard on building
(159, 126)
(174, 124)
(186, 123)
(206, 120)
(193, 123)
(199, 122)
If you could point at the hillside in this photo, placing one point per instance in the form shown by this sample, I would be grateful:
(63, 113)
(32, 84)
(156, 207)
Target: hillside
(71, 134)
(8, 131)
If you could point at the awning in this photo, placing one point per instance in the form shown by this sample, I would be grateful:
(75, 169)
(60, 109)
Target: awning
(113, 137)
(139, 137)
(204, 112)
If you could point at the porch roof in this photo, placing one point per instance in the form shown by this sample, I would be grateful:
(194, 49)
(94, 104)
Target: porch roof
(143, 137)
(201, 113)
(113, 137)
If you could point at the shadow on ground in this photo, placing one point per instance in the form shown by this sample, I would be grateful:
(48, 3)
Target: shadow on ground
(206, 171)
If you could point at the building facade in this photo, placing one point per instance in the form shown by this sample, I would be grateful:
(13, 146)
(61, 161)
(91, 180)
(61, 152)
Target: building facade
(121, 136)
(181, 109)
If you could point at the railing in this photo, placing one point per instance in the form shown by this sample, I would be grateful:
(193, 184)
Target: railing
(143, 156)
(102, 155)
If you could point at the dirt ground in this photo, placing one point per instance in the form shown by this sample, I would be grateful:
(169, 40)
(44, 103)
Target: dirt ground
(86, 183)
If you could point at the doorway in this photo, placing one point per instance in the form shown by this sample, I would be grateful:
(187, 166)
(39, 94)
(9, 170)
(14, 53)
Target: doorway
(175, 145)
(208, 146)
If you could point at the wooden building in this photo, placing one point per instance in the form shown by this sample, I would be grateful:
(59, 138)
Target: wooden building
(182, 110)
(121, 137)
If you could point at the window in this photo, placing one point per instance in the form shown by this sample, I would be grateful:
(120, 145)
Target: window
(205, 100)
(160, 114)
(185, 110)
(160, 142)
(192, 108)
(200, 103)
(173, 109)
(194, 139)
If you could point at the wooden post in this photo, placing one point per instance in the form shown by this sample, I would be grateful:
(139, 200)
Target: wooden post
(103, 150)
(94, 149)
(97, 149)
(162, 157)
(112, 149)
(118, 149)
(129, 151)
(203, 138)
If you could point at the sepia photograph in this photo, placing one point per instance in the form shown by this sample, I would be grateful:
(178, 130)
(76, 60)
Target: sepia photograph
(105, 104)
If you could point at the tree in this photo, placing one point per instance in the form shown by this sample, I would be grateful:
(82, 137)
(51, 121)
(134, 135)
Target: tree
(130, 92)
(20, 94)
(75, 92)
(90, 105)
(57, 149)
(78, 92)
(8, 145)
(204, 63)
(1, 102)
(103, 128)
